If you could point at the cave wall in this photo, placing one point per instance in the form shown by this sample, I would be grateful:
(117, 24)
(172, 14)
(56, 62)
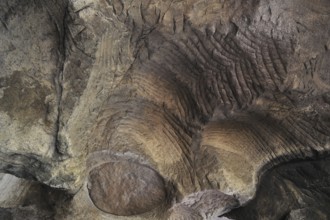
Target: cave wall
(145, 109)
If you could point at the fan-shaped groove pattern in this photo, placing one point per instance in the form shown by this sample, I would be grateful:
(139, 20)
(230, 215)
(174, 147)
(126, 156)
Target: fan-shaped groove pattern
(264, 142)
(161, 135)
(185, 82)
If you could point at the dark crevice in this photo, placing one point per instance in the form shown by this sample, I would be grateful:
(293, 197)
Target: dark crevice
(290, 187)
(29, 166)
(59, 81)
(4, 24)
(39, 202)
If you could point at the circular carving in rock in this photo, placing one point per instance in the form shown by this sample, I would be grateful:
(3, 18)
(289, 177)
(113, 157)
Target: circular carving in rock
(125, 188)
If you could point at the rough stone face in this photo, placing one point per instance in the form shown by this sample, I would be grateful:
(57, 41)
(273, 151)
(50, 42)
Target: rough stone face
(298, 190)
(306, 213)
(30, 50)
(125, 188)
(135, 107)
(209, 204)
(25, 199)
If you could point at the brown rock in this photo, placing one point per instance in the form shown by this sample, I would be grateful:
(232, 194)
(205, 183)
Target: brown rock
(125, 188)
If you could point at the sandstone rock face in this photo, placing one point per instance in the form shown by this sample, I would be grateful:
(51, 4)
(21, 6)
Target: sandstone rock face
(137, 189)
(31, 60)
(207, 204)
(159, 109)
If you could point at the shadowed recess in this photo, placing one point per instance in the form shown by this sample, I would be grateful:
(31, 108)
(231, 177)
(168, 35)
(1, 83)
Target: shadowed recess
(296, 190)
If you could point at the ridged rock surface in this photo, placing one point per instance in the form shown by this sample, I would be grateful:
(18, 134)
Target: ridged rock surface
(139, 109)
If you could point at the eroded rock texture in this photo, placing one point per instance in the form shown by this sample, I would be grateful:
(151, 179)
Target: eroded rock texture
(137, 189)
(299, 190)
(207, 204)
(154, 109)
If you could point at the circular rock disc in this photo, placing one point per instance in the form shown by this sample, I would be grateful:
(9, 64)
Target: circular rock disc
(125, 188)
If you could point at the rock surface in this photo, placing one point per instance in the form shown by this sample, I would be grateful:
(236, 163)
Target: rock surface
(209, 204)
(23, 199)
(132, 107)
(298, 190)
(137, 189)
